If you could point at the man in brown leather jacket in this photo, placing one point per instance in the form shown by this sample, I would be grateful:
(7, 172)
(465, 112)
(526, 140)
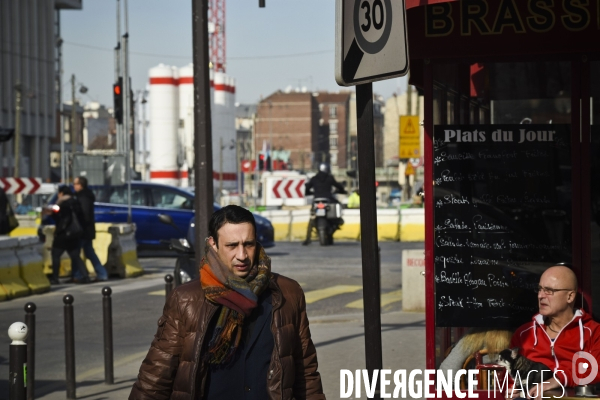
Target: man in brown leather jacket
(240, 332)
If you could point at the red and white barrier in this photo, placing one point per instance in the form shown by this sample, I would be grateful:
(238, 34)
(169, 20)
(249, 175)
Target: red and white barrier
(289, 188)
(20, 185)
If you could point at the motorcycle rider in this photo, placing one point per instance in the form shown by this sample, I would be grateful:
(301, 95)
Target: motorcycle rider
(320, 185)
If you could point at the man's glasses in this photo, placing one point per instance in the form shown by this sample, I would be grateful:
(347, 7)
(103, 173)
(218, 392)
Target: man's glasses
(549, 291)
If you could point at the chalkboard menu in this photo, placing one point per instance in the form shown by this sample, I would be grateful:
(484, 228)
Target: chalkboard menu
(502, 215)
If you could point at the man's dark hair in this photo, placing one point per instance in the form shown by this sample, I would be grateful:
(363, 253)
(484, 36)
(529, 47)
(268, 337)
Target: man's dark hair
(229, 214)
(83, 181)
(64, 189)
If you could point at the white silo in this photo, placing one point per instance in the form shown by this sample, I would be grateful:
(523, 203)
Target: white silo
(186, 116)
(164, 116)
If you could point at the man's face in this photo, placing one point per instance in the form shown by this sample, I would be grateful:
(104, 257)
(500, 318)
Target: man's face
(77, 185)
(551, 305)
(237, 246)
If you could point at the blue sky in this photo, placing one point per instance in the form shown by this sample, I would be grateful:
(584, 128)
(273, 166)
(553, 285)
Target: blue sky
(259, 42)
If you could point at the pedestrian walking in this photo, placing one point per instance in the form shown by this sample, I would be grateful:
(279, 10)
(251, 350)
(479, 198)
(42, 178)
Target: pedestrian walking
(4, 210)
(67, 215)
(239, 332)
(86, 199)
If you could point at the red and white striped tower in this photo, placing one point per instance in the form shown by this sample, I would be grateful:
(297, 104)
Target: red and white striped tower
(223, 127)
(186, 116)
(164, 116)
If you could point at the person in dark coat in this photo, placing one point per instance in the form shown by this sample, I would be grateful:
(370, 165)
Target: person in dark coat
(86, 199)
(63, 212)
(320, 185)
(238, 332)
(4, 230)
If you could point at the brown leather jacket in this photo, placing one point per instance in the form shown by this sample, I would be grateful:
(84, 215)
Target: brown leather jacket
(171, 365)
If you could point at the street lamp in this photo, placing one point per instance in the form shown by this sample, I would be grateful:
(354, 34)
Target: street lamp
(73, 125)
(18, 89)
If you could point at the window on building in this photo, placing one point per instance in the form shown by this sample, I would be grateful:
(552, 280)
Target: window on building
(321, 107)
(333, 158)
(333, 126)
(333, 141)
(332, 111)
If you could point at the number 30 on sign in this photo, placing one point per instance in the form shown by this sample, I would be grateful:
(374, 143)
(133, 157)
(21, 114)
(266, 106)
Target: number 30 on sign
(370, 41)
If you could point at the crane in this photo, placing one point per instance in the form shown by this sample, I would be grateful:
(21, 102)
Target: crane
(217, 45)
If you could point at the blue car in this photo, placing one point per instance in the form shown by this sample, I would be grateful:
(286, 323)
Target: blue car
(148, 200)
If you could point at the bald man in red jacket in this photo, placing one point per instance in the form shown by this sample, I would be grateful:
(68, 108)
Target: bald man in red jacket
(559, 333)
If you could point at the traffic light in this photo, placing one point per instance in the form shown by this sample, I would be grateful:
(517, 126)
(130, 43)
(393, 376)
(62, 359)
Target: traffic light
(118, 100)
(269, 163)
(261, 162)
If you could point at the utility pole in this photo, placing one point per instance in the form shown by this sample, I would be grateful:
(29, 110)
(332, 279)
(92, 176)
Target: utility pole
(19, 90)
(269, 166)
(407, 188)
(220, 168)
(203, 158)
(73, 135)
(238, 153)
(144, 101)
(118, 127)
(61, 106)
(127, 111)
(255, 157)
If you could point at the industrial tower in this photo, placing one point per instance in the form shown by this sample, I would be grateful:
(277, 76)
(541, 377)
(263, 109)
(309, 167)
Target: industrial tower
(216, 28)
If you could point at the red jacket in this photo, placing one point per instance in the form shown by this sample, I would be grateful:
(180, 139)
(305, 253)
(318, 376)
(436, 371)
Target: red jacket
(581, 334)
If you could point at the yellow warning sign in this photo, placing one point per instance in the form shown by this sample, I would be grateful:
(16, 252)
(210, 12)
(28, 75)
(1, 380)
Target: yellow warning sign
(410, 170)
(410, 137)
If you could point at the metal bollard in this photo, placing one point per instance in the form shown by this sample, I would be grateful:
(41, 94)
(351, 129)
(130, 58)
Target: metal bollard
(17, 375)
(69, 345)
(169, 284)
(30, 322)
(108, 335)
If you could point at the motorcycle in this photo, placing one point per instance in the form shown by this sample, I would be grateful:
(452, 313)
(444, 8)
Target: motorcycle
(327, 216)
(186, 269)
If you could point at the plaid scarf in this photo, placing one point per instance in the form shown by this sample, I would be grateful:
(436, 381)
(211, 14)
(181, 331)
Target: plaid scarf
(238, 297)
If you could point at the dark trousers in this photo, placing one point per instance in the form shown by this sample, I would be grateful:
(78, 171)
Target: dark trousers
(76, 261)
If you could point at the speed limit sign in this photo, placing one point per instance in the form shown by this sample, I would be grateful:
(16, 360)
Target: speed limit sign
(370, 42)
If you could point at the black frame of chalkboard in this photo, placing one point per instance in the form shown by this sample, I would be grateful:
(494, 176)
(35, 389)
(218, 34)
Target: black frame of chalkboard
(500, 219)
(580, 153)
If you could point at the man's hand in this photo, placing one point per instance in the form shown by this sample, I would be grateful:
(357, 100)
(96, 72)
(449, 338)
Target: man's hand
(537, 391)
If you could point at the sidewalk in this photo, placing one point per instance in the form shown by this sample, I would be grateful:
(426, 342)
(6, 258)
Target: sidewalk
(340, 345)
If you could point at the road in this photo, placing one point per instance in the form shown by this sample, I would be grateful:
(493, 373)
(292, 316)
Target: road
(330, 276)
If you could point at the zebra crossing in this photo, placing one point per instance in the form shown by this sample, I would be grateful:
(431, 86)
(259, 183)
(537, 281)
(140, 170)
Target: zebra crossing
(328, 293)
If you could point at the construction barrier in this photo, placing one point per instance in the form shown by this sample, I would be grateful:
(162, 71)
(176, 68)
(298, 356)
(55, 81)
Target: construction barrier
(351, 228)
(28, 225)
(412, 228)
(101, 244)
(31, 263)
(122, 252)
(392, 224)
(11, 283)
(65, 262)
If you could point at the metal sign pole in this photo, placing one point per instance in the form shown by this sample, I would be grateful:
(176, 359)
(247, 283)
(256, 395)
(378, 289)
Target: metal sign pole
(203, 165)
(368, 229)
(127, 111)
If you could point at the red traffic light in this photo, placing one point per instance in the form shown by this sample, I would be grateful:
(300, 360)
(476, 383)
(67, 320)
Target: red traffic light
(117, 89)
